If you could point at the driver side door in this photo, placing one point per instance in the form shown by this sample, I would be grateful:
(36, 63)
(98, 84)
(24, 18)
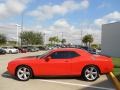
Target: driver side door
(59, 63)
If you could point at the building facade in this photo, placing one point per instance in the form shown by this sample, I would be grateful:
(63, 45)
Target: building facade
(110, 42)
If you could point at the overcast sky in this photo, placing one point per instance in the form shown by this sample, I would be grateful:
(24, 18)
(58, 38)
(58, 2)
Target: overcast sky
(54, 17)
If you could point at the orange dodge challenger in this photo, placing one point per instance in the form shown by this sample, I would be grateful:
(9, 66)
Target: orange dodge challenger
(61, 62)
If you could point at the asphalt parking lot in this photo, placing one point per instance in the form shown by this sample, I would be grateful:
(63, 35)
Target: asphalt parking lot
(7, 82)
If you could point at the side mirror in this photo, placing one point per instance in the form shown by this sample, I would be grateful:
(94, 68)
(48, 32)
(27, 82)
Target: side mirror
(47, 58)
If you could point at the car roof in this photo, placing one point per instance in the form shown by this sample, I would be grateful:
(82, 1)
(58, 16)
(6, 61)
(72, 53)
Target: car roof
(67, 49)
(80, 51)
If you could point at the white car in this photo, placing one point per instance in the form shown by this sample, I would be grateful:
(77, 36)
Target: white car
(10, 50)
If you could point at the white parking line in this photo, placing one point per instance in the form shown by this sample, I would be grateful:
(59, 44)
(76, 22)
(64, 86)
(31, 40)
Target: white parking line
(75, 84)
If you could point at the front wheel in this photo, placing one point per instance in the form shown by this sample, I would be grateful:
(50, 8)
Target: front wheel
(90, 73)
(23, 73)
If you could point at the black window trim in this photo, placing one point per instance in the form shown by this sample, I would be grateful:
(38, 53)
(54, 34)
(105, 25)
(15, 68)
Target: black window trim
(64, 51)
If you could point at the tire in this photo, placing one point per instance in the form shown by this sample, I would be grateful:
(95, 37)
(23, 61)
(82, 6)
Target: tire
(10, 52)
(23, 73)
(90, 73)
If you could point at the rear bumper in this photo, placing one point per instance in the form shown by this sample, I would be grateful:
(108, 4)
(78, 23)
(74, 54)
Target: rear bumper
(107, 68)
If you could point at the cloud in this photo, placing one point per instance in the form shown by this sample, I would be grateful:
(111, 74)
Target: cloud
(12, 7)
(104, 5)
(61, 23)
(61, 26)
(49, 11)
(10, 30)
(109, 18)
(72, 34)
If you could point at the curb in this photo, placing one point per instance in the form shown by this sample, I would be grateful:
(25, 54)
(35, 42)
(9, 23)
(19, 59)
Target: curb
(115, 81)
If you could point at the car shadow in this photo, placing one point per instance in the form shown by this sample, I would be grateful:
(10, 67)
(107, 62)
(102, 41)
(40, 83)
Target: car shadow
(59, 77)
(97, 86)
(103, 85)
(7, 75)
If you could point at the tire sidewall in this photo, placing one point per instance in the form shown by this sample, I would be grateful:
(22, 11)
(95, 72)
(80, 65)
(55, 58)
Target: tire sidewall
(83, 73)
(10, 52)
(17, 72)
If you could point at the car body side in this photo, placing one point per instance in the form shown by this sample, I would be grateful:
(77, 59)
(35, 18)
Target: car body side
(10, 50)
(75, 65)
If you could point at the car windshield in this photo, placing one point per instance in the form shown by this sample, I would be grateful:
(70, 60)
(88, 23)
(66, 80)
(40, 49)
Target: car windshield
(44, 54)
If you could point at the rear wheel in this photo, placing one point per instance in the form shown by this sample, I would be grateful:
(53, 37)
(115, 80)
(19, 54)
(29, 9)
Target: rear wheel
(23, 73)
(90, 73)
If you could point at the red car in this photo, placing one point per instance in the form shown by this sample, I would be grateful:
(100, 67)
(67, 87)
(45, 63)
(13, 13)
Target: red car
(21, 50)
(61, 62)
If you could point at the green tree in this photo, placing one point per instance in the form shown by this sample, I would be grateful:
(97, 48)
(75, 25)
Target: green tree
(84, 40)
(51, 40)
(95, 46)
(63, 41)
(54, 40)
(87, 39)
(3, 39)
(13, 43)
(31, 38)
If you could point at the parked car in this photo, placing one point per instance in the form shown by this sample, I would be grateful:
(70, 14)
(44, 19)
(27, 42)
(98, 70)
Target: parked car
(51, 47)
(41, 48)
(36, 48)
(10, 50)
(98, 51)
(90, 50)
(2, 51)
(30, 48)
(61, 62)
(21, 50)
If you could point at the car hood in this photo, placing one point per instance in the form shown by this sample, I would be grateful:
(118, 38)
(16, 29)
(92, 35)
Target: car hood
(27, 58)
(23, 60)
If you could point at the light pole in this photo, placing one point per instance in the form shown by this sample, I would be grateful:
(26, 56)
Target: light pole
(44, 34)
(81, 33)
(22, 22)
(17, 27)
(62, 35)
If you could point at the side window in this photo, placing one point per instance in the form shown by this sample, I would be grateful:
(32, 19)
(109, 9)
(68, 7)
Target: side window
(64, 55)
(73, 54)
(58, 55)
